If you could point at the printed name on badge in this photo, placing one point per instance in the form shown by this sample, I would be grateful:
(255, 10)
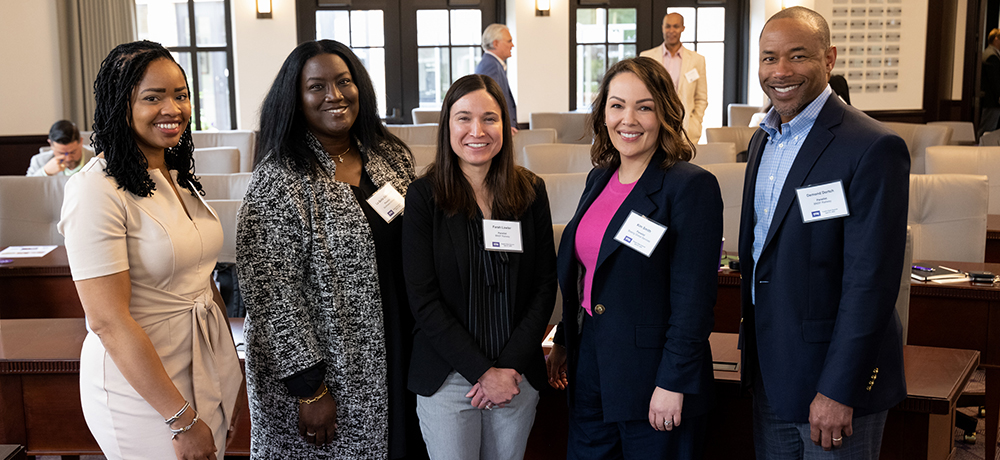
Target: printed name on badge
(640, 233)
(822, 202)
(387, 202)
(502, 235)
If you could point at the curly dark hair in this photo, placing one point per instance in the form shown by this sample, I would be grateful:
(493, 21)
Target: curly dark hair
(116, 82)
(283, 127)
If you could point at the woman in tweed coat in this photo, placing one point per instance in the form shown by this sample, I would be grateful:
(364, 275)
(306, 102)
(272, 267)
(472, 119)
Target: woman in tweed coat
(311, 253)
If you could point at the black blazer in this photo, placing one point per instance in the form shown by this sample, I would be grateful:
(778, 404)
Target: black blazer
(825, 319)
(436, 266)
(658, 309)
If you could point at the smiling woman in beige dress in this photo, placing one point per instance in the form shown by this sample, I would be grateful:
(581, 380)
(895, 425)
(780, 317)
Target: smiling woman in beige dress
(159, 373)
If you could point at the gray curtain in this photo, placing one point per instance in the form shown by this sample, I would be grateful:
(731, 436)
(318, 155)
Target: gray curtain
(88, 31)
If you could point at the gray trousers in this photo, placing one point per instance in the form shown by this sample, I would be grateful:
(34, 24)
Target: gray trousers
(455, 430)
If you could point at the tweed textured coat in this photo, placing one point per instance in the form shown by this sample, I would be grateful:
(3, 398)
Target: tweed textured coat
(308, 271)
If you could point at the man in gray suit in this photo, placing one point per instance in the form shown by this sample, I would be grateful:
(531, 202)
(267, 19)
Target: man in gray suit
(497, 44)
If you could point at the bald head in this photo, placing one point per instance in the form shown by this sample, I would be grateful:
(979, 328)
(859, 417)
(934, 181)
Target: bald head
(809, 18)
(673, 27)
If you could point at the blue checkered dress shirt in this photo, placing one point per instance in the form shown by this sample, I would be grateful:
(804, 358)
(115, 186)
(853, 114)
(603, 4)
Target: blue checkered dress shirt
(779, 154)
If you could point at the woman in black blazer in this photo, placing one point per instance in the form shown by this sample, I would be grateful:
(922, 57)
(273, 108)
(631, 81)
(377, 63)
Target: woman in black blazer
(481, 303)
(637, 268)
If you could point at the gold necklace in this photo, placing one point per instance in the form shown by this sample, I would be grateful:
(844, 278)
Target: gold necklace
(340, 157)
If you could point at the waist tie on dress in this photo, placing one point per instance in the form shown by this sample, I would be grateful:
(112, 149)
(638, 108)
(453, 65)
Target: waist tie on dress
(215, 368)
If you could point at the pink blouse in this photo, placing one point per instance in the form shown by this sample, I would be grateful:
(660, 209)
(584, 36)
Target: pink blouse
(590, 232)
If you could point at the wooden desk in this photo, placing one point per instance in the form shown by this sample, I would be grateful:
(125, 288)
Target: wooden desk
(956, 315)
(993, 238)
(39, 287)
(962, 315)
(920, 427)
(40, 388)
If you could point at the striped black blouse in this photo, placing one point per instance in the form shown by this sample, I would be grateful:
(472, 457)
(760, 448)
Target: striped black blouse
(489, 293)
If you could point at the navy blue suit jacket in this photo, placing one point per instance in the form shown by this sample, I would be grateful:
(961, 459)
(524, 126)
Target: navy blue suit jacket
(491, 67)
(658, 309)
(825, 318)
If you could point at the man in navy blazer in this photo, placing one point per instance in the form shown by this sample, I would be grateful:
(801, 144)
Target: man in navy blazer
(822, 237)
(497, 44)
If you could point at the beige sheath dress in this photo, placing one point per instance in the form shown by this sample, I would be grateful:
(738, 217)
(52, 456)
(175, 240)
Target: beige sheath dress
(170, 258)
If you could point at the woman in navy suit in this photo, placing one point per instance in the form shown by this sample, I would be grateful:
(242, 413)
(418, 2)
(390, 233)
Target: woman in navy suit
(638, 270)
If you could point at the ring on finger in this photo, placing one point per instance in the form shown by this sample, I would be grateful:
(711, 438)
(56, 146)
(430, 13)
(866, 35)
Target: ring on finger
(310, 434)
(668, 423)
(838, 439)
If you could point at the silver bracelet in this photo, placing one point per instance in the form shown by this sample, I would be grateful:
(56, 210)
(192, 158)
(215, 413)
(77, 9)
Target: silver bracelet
(176, 416)
(181, 430)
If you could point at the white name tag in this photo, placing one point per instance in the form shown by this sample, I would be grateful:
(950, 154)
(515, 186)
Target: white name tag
(691, 75)
(640, 233)
(821, 202)
(387, 202)
(502, 235)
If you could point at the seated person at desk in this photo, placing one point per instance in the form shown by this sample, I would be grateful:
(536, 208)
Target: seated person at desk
(67, 155)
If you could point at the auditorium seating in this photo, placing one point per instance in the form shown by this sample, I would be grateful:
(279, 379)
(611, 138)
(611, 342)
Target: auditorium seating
(948, 159)
(570, 126)
(423, 134)
(947, 215)
(730, 177)
(738, 135)
(714, 152)
(217, 160)
(740, 114)
(918, 137)
(30, 209)
(564, 192)
(241, 139)
(962, 132)
(225, 186)
(424, 115)
(557, 158)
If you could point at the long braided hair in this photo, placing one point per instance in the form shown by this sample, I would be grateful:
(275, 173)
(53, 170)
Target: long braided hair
(116, 82)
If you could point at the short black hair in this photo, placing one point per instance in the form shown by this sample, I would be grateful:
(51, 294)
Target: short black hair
(64, 132)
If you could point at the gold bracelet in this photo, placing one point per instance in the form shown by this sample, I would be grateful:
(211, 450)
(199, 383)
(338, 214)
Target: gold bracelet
(314, 398)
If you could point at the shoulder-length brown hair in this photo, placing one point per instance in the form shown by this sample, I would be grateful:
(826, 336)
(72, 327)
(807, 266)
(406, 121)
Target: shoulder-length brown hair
(669, 110)
(511, 186)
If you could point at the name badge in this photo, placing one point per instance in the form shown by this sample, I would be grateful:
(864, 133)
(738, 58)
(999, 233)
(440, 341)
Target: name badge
(691, 75)
(387, 202)
(640, 233)
(502, 235)
(821, 202)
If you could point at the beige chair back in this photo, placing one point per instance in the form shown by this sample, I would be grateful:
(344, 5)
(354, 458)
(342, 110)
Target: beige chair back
(423, 134)
(942, 159)
(947, 215)
(990, 139)
(30, 209)
(531, 137)
(227, 210)
(918, 137)
(564, 192)
(730, 177)
(86, 137)
(738, 135)
(557, 158)
(225, 186)
(424, 116)
(962, 132)
(570, 126)
(423, 155)
(740, 114)
(714, 152)
(557, 231)
(217, 160)
(242, 139)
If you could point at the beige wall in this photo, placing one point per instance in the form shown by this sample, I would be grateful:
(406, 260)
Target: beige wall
(30, 89)
(31, 99)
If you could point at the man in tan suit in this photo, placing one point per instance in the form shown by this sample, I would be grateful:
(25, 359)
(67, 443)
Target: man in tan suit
(687, 69)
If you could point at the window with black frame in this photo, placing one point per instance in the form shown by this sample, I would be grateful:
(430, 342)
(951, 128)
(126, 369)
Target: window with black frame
(199, 35)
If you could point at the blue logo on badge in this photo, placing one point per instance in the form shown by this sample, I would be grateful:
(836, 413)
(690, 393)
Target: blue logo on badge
(390, 213)
(628, 239)
(496, 244)
(815, 214)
